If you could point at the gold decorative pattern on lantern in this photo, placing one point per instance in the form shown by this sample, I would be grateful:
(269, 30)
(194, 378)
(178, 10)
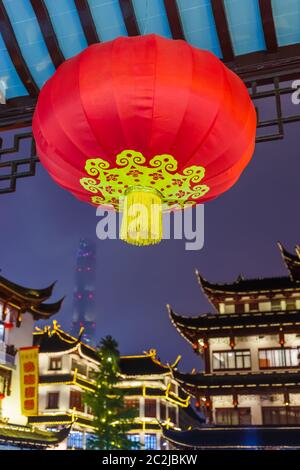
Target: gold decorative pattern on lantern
(109, 185)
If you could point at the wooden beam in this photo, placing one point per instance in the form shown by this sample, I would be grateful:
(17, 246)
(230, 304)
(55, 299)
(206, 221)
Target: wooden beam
(219, 13)
(48, 32)
(267, 18)
(174, 19)
(87, 22)
(15, 53)
(129, 17)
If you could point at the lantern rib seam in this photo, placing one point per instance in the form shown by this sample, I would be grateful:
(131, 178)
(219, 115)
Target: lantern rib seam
(220, 156)
(184, 114)
(210, 127)
(229, 146)
(83, 107)
(154, 95)
(114, 96)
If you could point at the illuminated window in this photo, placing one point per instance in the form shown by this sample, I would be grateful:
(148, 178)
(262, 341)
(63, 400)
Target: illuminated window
(76, 400)
(229, 308)
(53, 400)
(278, 357)
(81, 368)
(172, 414)
(150, 408)
(290, 304)
(253, 307)
(55, 363)
(2, 386)
(150, 441)
(135, 438)
(132, 403)
(275, 305)
(91, 373)
(75, 440)
(227, 360)
(281, 415)
(163, 411)
(233, 416)
(240, 308)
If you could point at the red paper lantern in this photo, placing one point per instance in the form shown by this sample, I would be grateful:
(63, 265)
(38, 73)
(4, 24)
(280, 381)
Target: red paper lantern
(146, 118)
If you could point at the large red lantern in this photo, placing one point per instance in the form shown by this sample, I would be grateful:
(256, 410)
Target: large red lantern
(144, 120)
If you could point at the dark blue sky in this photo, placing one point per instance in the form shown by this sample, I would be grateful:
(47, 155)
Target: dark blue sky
(42, 224)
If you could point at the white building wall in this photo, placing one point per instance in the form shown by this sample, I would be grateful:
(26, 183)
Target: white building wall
(22, 336)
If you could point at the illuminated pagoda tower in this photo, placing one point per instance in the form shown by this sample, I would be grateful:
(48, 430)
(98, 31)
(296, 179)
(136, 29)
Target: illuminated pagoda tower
(84, 307)
(250, 350)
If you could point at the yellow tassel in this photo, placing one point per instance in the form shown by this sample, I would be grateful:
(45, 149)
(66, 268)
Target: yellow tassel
(142, 216)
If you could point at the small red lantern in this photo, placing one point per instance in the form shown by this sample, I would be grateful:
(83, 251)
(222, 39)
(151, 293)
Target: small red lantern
(144, 121)
(232, 342)
(208, 403)
(281, 338)
(8, 325)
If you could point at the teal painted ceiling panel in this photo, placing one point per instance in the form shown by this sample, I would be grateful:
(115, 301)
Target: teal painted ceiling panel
(286, 15)
(108, 19)
(152, 17)
(30, 39)
(199, 25)
(67, 26)
(245, 26)
(9, 78)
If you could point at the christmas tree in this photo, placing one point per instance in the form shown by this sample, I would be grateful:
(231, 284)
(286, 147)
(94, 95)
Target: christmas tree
(112, 420)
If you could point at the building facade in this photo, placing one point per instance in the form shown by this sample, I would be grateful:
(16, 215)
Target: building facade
(20, 307)
(250, 350)
(67, 366)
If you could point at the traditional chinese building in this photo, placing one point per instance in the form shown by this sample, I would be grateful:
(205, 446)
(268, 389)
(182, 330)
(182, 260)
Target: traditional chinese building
(250, 349)
(66, 371)
(20, 307)
(235, 437)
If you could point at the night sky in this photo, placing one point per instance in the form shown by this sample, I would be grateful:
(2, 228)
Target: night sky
(42, 224)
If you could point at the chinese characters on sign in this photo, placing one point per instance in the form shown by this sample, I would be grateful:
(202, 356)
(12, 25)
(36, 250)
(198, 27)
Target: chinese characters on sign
(29, 379)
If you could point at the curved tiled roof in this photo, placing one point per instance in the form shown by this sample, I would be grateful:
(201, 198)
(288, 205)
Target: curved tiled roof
(256, 382)
(57, 340)
(258, 285)
(14, 290)
(25, 436)
(246, 286)
(44, 311)
(232, 437)
(292, 261)
(146, 364)
(218, 325)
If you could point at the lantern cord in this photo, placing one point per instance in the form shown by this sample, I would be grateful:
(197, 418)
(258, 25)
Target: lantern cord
(142, 216)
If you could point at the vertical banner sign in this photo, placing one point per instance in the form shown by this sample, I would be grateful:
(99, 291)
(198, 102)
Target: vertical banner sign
(29, 380)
